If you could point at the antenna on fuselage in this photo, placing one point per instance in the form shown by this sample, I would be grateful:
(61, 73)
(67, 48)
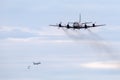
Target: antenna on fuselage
(80, 18)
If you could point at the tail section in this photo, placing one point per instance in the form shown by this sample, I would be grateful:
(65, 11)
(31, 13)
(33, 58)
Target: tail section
(80, 18)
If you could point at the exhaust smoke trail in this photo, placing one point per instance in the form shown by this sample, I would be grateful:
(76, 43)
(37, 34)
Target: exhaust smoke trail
(102, 46)
(75, 35)
(96, 42)
(71, 35)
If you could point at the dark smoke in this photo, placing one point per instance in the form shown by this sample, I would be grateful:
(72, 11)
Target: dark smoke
(102, 46)
(75, 35)
(96, 42)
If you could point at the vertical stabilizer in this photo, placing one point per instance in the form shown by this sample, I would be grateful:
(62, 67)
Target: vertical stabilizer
(80, 18)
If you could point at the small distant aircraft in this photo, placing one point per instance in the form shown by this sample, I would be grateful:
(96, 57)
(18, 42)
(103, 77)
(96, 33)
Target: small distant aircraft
(36, 63)
(77, 25)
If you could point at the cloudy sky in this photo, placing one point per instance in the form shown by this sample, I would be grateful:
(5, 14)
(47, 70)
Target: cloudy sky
(26, 37)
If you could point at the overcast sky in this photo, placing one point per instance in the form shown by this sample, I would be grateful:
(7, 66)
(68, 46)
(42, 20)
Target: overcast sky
(26, 37)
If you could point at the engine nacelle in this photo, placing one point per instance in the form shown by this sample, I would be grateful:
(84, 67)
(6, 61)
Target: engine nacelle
(85, 26)
(93, 25)
(60, 25)
(68, 26)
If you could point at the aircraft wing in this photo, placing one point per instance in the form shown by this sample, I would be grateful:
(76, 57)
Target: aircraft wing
(99, 25)
(58, 25)
(54, 25)
(94, 26)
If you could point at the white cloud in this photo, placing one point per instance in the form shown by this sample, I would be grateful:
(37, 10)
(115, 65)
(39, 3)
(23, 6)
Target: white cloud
(82, 36)
(12, 28)
(102, 65)
(36, 40)
(6, 28)
(43, 31)
(39, 40)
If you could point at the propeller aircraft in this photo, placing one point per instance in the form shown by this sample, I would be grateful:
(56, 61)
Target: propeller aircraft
(77, 25)
(36, 63)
